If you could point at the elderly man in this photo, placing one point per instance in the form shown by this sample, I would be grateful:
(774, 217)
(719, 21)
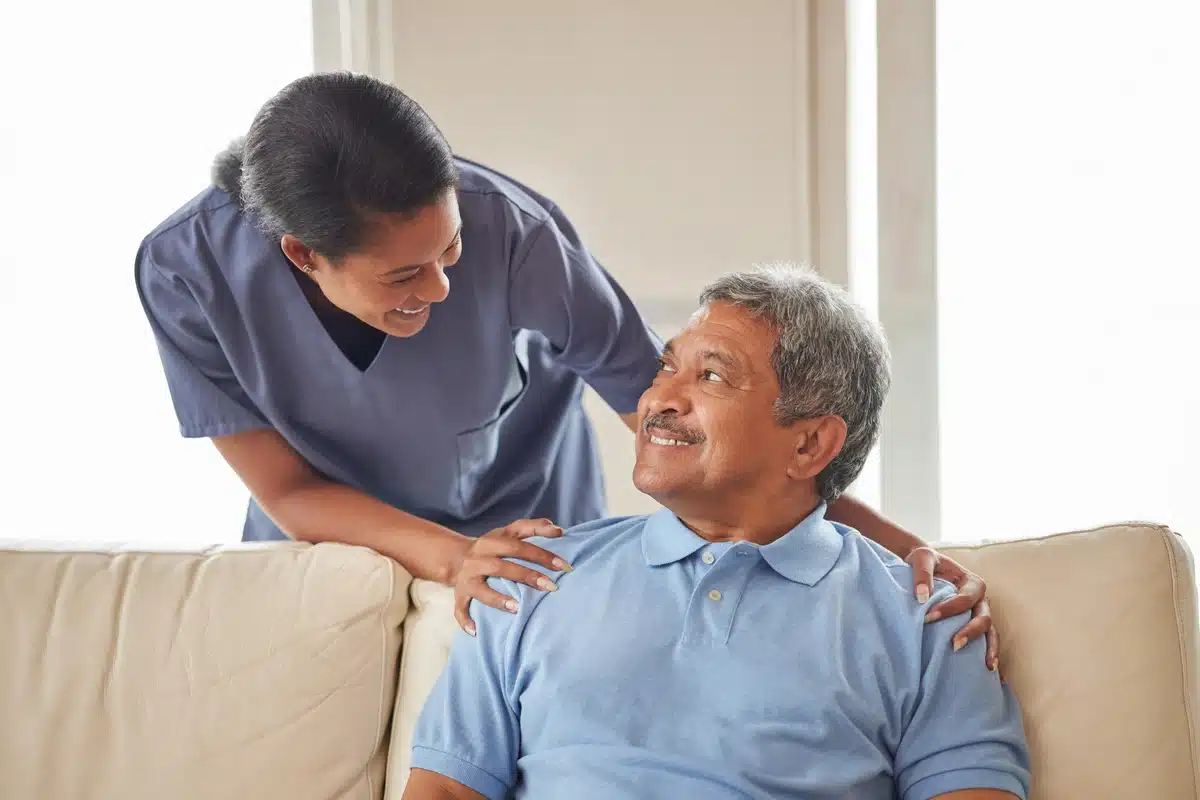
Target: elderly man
(735, 644)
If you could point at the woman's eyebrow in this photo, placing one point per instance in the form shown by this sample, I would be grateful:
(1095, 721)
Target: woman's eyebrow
(391, 273)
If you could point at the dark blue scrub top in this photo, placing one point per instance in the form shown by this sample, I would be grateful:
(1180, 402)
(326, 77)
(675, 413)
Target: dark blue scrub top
(472, 423)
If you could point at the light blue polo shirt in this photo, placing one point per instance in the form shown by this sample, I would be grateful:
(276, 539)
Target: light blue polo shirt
(669, 667)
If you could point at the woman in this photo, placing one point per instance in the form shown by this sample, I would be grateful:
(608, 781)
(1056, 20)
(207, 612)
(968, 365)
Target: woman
(304, 318)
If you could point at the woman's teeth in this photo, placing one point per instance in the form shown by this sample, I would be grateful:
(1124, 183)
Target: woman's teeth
(412, 313)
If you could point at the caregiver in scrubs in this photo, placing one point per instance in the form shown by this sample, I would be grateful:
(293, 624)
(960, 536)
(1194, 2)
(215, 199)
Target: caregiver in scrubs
(389, 344)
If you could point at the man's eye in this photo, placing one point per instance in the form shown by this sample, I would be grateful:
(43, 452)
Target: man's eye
(709, 375)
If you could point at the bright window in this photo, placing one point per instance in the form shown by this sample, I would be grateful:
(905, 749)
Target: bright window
(1069, 297)
(112, 114)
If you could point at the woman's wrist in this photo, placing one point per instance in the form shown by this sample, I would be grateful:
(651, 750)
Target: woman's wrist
(452, 555)
(432, 554)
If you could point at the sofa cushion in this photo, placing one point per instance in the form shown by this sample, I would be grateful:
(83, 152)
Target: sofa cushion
(1099, 641)
(428, 634)
(251, 672)
(1098, 634)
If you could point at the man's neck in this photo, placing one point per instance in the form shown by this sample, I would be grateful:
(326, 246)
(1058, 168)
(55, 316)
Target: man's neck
(760, 523)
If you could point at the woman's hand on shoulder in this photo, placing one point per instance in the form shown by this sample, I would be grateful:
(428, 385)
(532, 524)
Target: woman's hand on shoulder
(488, 556)
(928, 564)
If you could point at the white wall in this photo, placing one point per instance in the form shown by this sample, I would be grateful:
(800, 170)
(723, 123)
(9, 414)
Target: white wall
(673, 133)
(1069, 286)
(111, 115)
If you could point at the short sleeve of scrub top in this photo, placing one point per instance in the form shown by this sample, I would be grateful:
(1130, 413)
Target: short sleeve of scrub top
(472, 423)
(559, 290)
(208, 399)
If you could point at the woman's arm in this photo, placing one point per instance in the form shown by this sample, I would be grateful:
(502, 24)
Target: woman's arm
(309, 508)
(873, 525)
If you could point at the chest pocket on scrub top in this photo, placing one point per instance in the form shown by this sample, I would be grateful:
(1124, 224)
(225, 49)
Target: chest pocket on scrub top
(478, 447)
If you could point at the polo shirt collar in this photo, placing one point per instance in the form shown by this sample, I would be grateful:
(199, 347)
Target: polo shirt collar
(666, 540)
(805, 554)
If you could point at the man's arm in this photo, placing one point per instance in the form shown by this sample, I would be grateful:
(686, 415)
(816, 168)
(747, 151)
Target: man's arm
(963, 736)
(468, 736)
(426, 785)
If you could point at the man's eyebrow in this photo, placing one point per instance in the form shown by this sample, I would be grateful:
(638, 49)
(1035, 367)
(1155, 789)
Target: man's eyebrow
(391, 273)
(725, 359)
(721, 357)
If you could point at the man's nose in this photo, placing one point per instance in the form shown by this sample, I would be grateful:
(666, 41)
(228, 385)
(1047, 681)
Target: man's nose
(668, 395)
(435, 287)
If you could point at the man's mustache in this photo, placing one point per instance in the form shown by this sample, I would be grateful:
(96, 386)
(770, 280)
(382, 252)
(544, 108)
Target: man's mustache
(668, 424)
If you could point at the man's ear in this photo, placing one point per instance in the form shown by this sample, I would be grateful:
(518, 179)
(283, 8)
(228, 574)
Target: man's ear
(303, 257)
(818, 441)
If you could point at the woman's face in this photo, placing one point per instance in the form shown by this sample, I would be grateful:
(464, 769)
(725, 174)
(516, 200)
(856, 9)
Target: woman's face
(391, 282)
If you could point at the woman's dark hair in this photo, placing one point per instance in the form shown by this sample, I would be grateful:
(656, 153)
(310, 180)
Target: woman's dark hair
(330, 150)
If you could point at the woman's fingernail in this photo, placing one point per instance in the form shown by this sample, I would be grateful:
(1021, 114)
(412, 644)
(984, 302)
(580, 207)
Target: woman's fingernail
(469, 629)
(511, 605)
(559, 564)
(923, 593)
(995, 665)
(546, 585)
(959, 644)
(933, 616)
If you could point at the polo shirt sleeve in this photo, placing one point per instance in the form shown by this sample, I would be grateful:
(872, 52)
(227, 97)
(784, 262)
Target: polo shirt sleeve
(965, 729)
(207, 397)
(469, 729)
(558, 289)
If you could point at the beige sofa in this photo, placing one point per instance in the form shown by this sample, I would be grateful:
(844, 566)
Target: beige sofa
(283, 672)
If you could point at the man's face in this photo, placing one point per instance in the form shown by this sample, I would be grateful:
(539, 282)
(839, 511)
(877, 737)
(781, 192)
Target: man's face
(707, 427)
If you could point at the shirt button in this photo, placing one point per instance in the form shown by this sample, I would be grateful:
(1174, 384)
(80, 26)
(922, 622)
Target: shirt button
(714, 595)
(708, 557)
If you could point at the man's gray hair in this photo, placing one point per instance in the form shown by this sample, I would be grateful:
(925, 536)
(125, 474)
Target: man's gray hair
(830, 357)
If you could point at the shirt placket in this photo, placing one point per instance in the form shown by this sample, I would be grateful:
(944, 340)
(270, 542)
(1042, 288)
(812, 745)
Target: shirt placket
(721, 581)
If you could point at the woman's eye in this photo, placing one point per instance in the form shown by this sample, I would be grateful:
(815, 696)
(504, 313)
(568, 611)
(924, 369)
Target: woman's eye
(663, 366)
(405, 279)
(709, 375)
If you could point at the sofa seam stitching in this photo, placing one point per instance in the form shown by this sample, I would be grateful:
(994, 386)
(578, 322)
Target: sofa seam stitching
(1145, 526)
(383, 617)
(1188, 710)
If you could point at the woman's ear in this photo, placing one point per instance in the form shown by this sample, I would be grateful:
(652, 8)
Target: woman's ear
(818, 442)
(301, 256)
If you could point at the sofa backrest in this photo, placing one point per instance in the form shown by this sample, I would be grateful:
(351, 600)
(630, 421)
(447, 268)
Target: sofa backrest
(1099, 641)
(254, 672)
(1098, 634)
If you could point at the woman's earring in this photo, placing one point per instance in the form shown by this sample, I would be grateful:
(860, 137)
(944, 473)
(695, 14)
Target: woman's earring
(306, 269)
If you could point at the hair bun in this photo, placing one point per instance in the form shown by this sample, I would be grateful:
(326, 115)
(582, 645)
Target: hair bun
(227, 169)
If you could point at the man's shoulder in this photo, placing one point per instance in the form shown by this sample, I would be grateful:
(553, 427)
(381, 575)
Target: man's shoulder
(586, 541)
(888, 579)
(591, 551)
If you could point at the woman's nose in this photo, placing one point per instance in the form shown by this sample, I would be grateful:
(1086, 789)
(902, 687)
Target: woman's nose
(435, 287)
